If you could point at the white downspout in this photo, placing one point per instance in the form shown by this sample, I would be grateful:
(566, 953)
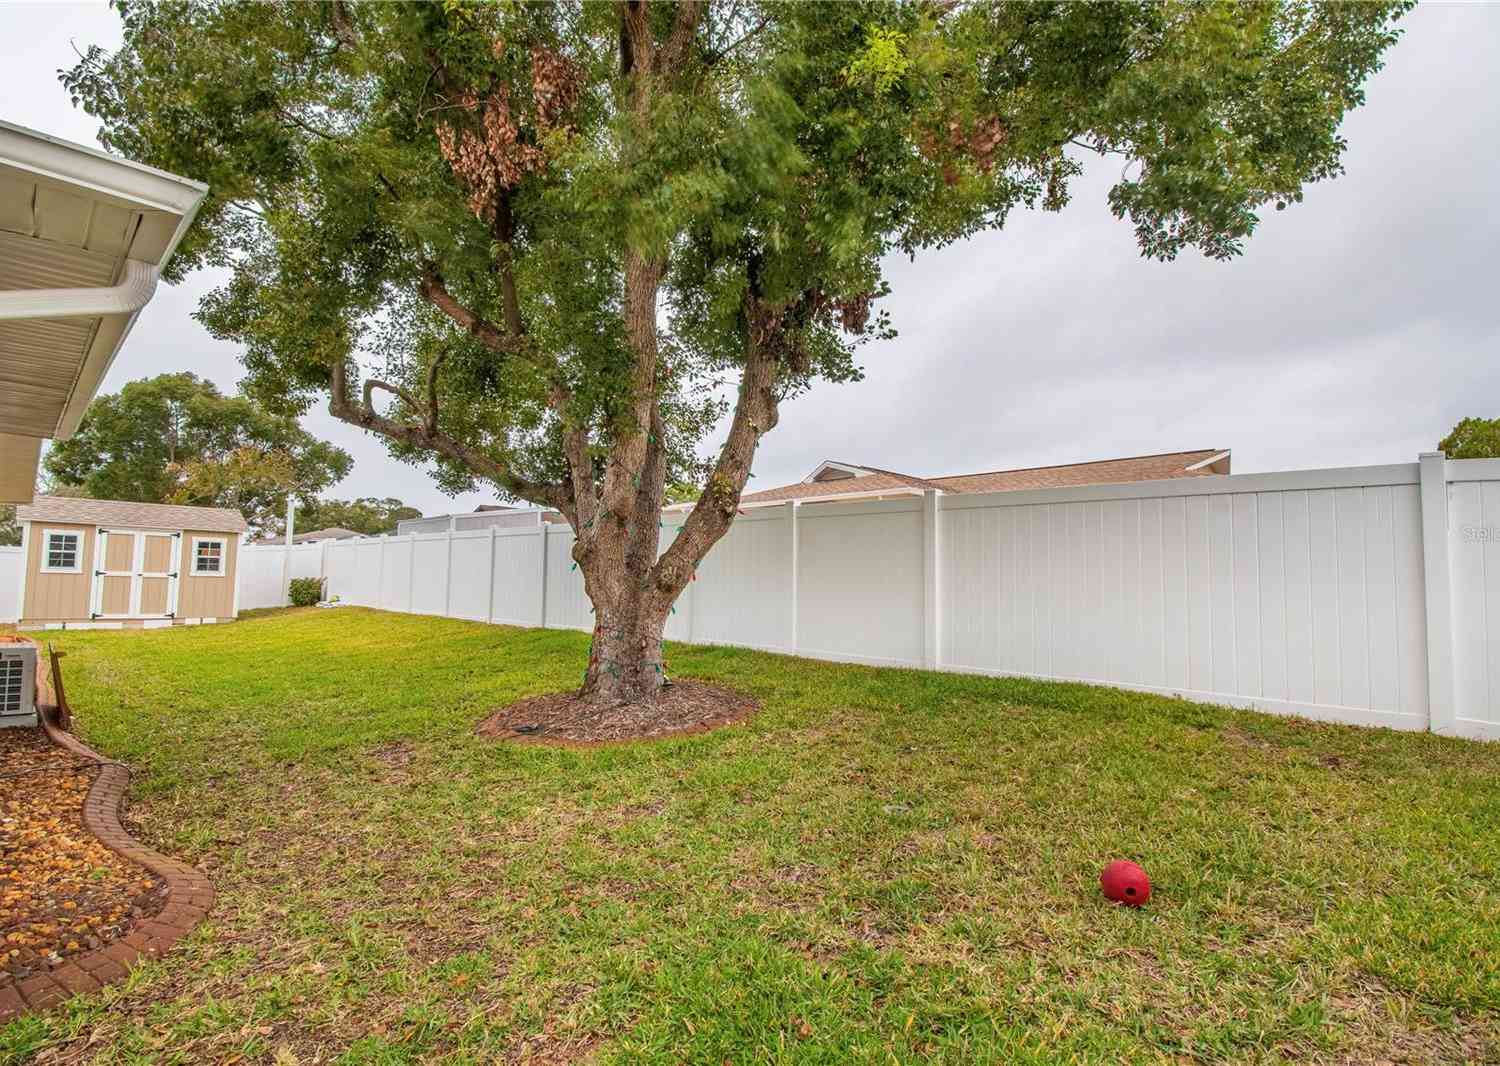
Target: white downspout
(132, 294)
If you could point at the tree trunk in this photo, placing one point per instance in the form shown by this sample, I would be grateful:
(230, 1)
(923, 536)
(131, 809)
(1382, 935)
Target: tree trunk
(625, 659)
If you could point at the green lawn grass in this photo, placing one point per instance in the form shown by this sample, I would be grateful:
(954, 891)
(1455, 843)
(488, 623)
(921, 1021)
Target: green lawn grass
(883, 865)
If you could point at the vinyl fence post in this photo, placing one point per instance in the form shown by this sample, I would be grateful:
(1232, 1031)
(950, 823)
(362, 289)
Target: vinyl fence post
(542, 530)
(380, 572)
(286, 553)
(792, 510)
(489, 610)
(690, 597)
(931, 590)
(411, 576)
(448, 580)
(1437, 578)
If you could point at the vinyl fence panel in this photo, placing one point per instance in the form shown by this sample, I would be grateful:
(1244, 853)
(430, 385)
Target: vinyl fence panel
(262, 577)
(397, 574)
(1474, 547)
(10, 584)
(743, 589)
(859, 582)
(680, 620)
(469, 557)
(431, 576)
(1304, 592)
(516, 584)
(1288, 601)
(567, 606)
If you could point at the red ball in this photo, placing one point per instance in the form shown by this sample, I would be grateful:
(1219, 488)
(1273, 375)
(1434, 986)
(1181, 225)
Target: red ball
(1125, 882)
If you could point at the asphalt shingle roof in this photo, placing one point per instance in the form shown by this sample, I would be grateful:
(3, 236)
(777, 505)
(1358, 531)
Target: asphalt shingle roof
(131, 515)
(1100, 472)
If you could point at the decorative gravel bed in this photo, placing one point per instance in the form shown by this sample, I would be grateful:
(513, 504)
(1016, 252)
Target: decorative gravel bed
(63, 893)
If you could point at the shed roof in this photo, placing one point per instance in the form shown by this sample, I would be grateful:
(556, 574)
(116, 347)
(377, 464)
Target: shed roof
(126, 513)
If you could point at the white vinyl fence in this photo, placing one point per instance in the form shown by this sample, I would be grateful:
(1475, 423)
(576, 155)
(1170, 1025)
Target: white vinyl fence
(1368, 595)
(264, 574)
(10, 584)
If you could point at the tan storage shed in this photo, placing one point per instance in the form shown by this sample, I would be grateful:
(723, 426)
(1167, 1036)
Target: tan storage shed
(109, 564)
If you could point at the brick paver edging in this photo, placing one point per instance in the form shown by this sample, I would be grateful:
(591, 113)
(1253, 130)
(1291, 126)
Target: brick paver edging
(189, 897)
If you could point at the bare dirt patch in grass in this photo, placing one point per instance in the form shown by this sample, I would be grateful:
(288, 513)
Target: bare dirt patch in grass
(62, 891)
(1387, 1028)
(397, 754)
(561, 718)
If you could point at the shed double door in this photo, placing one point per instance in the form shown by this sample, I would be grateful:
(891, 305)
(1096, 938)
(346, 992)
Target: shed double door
(135, 574)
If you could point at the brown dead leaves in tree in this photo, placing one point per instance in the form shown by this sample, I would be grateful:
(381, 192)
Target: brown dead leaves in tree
(977, 140)
(492, 155)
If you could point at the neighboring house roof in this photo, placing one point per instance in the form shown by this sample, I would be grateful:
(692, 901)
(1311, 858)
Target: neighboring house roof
(835, 478)
(124, 513)
(313, 536)
(1101, 472)
(330, 533)
(863, 485)
(485, 516)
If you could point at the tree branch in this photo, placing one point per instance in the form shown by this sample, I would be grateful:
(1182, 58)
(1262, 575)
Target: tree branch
(755, 414)
(684, 27)
(343, 24)
(371, 384)
(575, 443)
(435, 292)
(754, 31)
(637, 46)
(304, 125)
(429, 439)
(505, 234)
(632, 429)
(432, 400)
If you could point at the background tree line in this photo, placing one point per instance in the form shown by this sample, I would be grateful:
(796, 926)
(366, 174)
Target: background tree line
(175, 438)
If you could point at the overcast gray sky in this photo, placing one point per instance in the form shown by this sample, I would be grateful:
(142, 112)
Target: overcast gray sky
(1359, 326)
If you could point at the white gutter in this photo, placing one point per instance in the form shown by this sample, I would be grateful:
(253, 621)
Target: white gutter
(128, 297)
(92, 373)
(74, 166)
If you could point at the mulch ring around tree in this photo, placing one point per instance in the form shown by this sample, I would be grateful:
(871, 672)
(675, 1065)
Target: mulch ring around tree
(562, 719)
(62, 892)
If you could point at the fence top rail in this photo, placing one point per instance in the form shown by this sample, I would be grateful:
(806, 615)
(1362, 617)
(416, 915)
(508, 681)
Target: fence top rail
(466, 534)
(1210, 485)
(809, 512)
(776, 513)
(1473, 469)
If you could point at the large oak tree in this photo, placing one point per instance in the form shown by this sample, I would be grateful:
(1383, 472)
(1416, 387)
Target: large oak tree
(525, 240)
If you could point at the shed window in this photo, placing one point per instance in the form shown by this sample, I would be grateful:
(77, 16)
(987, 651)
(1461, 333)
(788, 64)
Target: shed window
(208, 557)
(60, 552)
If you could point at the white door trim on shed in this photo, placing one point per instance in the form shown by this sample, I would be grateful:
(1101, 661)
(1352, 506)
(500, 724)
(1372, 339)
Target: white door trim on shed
(137, 574)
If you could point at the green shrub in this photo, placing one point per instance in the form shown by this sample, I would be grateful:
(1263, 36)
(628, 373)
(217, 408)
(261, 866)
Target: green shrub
(305, 591)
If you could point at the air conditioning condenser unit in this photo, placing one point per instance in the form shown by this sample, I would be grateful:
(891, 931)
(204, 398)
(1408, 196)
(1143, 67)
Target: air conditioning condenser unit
(17, 683)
